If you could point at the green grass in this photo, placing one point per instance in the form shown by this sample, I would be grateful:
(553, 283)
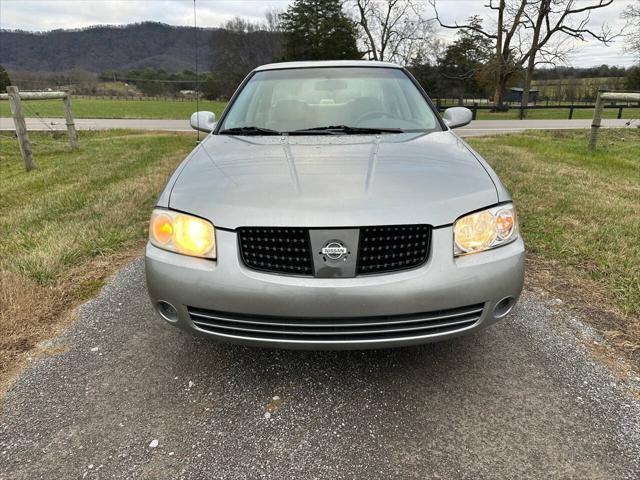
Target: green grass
(576, 207)
(66, 224)
(79, 204)
(98, 108)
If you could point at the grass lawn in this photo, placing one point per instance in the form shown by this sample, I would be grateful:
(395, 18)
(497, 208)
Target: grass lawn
(579, 213)
(97, 108)
(67, 225)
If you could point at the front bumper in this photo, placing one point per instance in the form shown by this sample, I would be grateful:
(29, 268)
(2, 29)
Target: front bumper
(234, 293)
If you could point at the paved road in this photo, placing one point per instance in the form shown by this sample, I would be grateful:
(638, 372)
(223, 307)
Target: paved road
(521, 399)
(478, 127)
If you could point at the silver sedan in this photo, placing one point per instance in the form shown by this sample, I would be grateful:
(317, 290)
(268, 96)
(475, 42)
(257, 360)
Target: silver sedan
(331, 207)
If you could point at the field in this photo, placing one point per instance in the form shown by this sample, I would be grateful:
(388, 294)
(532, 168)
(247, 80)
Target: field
(67, 225)
(163, 109)
(566, 88)
(99, 108)
(580, 217)
(81, 215)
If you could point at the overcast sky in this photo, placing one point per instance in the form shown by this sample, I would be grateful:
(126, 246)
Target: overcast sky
(41, 15)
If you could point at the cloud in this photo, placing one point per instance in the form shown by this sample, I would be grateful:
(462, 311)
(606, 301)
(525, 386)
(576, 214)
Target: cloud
(41, 15)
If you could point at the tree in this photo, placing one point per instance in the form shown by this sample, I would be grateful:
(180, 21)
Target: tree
(394, 30)
(464, 59)
(273, 20)
(632, 15)
(242, 25)
(633, 78)
(5, 81)
(552, 17)
(236, 50)
(530, 32)
(428, 75)
(318, 30)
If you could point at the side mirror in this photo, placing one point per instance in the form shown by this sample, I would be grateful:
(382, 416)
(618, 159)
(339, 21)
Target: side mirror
(456, 117)
(203, 121)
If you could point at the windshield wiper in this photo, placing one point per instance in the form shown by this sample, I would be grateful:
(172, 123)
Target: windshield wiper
(336, 129)
(249, 131)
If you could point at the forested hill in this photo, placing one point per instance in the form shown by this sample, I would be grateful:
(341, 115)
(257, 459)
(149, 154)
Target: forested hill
(100, 48)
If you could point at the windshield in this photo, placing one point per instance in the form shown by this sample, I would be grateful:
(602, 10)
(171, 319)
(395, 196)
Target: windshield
(315, 98)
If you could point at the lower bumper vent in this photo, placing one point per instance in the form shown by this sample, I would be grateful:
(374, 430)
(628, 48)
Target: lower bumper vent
(272, 328)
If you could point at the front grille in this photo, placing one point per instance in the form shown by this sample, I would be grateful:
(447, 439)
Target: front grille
(390, 327)
(392, 248)
(279, 250)
(382, 249)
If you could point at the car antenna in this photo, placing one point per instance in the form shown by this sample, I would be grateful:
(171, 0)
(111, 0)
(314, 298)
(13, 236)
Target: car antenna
(195, 39)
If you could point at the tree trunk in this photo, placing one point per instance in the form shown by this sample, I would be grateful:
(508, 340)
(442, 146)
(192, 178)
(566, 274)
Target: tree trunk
(543, 12)
(498, 95)
(501, 79)
(525, 90)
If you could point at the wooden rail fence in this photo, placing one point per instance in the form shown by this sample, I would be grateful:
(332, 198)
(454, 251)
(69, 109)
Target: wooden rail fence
(15, 102)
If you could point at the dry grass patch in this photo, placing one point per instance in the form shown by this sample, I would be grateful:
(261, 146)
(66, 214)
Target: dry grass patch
(70, 224)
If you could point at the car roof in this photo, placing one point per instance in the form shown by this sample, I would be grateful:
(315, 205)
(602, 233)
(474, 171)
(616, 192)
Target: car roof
(326, 63)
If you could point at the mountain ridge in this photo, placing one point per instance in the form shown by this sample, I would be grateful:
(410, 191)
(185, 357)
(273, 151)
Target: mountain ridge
(99, 48)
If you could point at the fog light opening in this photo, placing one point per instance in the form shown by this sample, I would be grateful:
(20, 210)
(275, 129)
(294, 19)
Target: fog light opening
(168, 311)
(503, 307)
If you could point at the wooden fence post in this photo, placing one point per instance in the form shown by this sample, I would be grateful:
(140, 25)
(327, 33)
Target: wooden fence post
(21, 128)
(71, 127)
(603, 96)
(595, 124)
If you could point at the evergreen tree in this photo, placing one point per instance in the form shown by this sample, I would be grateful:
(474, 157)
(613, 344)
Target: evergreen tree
(464, 59)
(5, 81)
(318, 30)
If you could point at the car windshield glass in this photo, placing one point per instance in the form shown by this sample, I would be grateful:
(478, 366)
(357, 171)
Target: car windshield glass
(359, 98)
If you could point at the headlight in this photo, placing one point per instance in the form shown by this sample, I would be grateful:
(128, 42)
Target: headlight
(484, 230)
(182, 233)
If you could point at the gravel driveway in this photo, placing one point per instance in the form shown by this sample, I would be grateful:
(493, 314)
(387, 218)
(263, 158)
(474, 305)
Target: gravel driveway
(135, 398)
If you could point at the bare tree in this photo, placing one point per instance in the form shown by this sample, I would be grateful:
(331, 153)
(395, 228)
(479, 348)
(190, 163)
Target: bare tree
(530, 32)
(243, 25)
(632, 15)
(271, 23)
(393, 30)
(555, 25)
(273, 19)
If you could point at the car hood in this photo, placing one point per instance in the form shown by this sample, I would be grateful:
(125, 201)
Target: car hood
(332, 180)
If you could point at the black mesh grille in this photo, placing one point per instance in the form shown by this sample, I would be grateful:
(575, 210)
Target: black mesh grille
(288, 250)
(391, 248)
(283, 250)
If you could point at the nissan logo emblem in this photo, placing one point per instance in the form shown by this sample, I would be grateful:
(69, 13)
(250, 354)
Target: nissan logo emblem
(334, 250)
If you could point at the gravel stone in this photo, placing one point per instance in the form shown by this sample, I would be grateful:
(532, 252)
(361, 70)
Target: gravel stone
(521, 399)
